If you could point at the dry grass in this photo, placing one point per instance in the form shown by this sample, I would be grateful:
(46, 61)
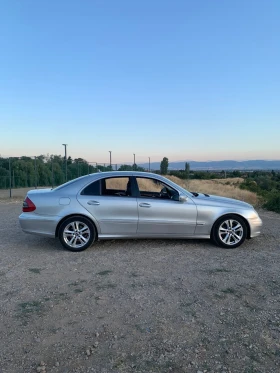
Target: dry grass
(119, 183)
(148, 185)
(221, 187)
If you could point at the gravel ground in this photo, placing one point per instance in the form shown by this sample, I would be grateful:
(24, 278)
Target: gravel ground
(138, 306)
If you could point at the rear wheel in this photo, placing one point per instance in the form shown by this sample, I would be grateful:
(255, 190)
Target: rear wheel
(229, 231)
(76, 233)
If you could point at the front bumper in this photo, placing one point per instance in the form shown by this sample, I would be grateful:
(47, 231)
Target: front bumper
(255, 226)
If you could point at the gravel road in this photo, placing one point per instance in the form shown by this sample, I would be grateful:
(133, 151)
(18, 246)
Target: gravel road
(138, 305)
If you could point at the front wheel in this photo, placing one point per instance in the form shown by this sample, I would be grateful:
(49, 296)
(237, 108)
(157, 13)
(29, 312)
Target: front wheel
(76, 233)
(229, 231)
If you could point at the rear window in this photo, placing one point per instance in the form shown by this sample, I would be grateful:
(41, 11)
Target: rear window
(69, 183)
(92, 189)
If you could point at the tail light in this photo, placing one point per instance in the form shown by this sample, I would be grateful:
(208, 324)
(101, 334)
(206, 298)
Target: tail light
(28, 205)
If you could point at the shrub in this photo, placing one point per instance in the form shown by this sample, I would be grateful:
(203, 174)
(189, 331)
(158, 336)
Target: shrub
(273, 202)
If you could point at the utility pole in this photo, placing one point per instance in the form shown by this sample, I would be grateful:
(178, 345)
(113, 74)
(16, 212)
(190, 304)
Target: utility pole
(110, 159)
(65, 152)
(52, 174)
(79, 168)
(10, 174)
(35, 172)
(134, 165)
(149, 164)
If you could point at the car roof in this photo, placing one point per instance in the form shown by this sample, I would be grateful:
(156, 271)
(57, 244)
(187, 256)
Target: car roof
(87, 179)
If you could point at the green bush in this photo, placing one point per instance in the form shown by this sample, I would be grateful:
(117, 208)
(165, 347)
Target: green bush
(273, 202)
(250, 185)
(267, 187)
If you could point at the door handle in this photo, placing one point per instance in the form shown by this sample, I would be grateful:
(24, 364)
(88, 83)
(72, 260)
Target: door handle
(144, 204)
(93, 203)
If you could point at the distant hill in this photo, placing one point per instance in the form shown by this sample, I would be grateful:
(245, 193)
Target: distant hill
(219, 165)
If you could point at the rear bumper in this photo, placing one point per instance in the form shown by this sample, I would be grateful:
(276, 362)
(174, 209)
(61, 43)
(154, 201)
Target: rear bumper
(255, 226)
(38, 224)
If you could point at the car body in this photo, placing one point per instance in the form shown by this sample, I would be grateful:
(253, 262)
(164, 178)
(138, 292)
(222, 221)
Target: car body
(127, 204)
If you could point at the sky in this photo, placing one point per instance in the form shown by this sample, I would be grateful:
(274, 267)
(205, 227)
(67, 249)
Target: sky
(187, 80)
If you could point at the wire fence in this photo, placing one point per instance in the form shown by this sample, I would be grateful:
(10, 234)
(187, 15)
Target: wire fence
(44, 171)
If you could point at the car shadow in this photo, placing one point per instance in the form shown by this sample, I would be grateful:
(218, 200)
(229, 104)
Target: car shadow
(40, 244)
(43, 244)
(167, 244)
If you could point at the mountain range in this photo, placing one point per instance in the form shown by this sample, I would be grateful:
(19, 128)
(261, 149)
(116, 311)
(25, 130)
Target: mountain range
(219, 165)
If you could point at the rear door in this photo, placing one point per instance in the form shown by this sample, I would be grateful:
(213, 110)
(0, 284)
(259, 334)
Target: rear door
(161, 213)
(110, 202)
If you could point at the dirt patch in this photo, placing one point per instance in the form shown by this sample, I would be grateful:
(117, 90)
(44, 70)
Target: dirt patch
(138, 306)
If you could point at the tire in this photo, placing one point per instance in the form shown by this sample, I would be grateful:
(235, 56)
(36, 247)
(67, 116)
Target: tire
(229, 232)
(76, 233)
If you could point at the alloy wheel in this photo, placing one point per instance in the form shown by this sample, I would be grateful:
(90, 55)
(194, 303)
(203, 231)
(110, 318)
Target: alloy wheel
(230, 232)
(76, 234)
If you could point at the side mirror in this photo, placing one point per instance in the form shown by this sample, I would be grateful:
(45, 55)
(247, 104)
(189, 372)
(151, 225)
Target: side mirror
(183, 198)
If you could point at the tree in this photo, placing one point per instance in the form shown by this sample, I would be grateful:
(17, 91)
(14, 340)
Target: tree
(4, 177)
(134, 167)
(187, 170)
(236, 173)
(125, 167)
(139, 168)
(164, 166)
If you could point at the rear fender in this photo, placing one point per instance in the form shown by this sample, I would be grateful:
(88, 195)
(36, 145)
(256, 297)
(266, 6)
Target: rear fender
(94, 222)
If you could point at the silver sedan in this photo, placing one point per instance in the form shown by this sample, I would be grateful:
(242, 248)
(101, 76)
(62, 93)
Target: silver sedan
(120, 204)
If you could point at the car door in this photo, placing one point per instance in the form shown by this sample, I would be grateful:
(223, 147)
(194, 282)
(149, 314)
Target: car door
(110, 202)
(160, 211)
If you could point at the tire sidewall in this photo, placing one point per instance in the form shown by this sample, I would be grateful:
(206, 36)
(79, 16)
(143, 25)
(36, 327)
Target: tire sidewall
(82, 220)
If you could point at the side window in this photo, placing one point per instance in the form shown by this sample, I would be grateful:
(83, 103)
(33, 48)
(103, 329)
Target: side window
(92, 189)
(152, 188)
(116, 186)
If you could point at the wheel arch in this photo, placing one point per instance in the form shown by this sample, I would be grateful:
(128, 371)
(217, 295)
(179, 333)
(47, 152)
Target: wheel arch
(71, 215)
(233, 214)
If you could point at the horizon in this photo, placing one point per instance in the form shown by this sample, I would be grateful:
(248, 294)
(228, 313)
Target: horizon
(184, 80)
(147, 161)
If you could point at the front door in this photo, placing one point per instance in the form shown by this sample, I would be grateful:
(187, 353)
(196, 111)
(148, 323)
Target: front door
(161, 213)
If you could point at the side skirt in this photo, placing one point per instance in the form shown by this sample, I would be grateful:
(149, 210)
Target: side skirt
(139, 236)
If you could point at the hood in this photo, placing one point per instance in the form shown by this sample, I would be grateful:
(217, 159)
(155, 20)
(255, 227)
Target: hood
(202, 199)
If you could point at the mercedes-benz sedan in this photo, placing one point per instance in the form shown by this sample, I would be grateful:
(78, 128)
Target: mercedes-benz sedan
(120, 204)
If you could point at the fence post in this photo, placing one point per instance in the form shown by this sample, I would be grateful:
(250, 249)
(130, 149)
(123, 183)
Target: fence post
(52, 175)
(10, 174)
(35, 173)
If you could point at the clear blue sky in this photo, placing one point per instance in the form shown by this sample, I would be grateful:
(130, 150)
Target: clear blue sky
(189, 80)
